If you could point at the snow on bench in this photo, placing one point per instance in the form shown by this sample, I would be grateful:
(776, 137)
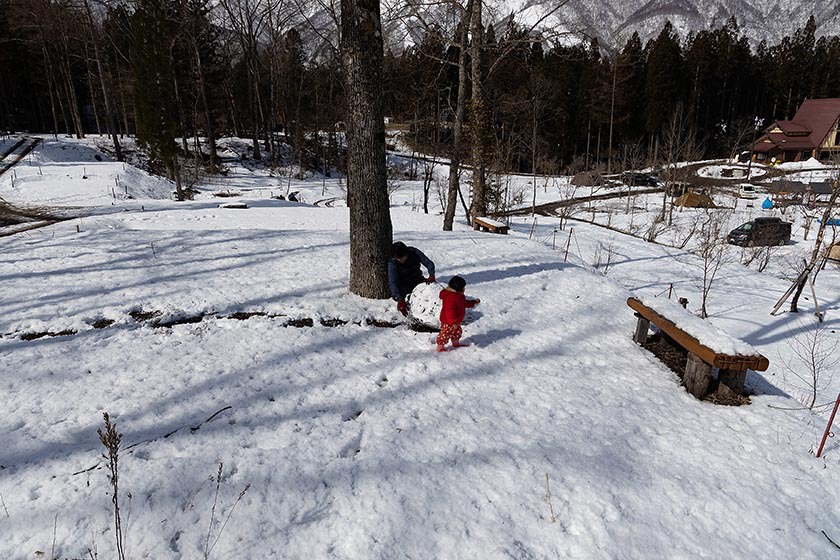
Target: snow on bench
(488, 224)
(708, 347)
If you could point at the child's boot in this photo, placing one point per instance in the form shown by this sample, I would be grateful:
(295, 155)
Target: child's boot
(456, 343)
(441, 348)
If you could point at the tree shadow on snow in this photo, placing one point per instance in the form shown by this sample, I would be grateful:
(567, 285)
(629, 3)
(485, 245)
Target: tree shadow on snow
(512, 272)
(492, 336)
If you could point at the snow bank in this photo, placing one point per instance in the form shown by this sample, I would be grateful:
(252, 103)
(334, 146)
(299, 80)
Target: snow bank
(810, 163)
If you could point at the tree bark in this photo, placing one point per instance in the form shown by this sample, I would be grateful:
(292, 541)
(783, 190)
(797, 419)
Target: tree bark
(478, 110)
(457, 132)
(211, 135)
(367, 192)
(106, 93)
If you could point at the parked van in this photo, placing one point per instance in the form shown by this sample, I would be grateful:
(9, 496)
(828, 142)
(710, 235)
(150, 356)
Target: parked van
(748, 192)
(761, 231)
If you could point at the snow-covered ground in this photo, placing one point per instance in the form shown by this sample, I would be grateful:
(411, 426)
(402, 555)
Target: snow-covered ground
(358, 441)
(732, 171)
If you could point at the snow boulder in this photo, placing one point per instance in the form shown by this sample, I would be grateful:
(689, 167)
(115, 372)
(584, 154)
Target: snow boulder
(425, 304)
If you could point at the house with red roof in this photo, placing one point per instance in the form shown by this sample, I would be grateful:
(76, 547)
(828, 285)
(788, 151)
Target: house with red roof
(812, 133)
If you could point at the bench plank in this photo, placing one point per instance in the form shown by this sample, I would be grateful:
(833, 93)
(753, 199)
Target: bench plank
(488, 224)
(706, 354)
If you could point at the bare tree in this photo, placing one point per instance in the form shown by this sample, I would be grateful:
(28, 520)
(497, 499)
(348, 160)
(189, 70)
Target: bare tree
(818, 244)
(814, 357)
(458, 126)
(106, 89)
(712, 248)
(367, 190)
(679, 143)
(249, 19)
(567, 207)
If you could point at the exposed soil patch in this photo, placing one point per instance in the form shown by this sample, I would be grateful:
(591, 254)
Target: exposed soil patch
(738, 400)
(37, 335)
(675, 357)
(140, 315)
(151, 317)
(381, 324)
(227, 194)
(181, 321)
(245, 315)
(672, 355)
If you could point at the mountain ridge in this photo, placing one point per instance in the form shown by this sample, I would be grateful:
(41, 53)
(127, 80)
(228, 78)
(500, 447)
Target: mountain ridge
(613, 21)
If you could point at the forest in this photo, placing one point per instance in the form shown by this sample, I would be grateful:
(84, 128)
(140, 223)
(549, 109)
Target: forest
(170, 71)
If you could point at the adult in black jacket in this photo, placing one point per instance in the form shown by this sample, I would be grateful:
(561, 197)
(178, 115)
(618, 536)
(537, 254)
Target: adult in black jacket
(404, 272)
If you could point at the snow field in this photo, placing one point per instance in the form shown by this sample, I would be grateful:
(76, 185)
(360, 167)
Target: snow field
(362, 442)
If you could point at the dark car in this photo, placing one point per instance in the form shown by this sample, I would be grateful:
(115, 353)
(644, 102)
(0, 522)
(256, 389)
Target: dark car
(760, 232)
(636, 179)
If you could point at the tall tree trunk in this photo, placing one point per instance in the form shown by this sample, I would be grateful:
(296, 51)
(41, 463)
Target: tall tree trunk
(72, 100)
(182, 121)
(457, 132)
(367, 191)
(211, 135)
(106, 91)
(50, 88)
(478, 114)
(123, 104)
(92, 90)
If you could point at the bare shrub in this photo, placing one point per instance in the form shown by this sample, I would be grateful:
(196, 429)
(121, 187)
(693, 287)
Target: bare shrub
(209, 546)
(761, 256)
(655, 228)
(603, 255)
(712, 249)
(111, 440)
(814, 354)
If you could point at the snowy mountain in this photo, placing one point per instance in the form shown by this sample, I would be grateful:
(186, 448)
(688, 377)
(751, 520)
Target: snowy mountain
(615, 20)
(758, 19)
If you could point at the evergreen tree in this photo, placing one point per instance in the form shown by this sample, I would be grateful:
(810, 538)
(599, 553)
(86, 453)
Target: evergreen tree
(663, 85)
(153, 35)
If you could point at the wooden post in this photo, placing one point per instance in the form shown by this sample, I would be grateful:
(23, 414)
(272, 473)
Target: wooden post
(698, 376)
(828, 428)
(641, 334)
(730, 383)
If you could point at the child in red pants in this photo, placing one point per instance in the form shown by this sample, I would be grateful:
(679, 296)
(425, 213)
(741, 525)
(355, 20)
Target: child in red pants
(452, 315)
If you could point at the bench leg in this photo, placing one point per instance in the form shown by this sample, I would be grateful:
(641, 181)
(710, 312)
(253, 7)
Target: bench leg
(641, 334)
(698, 376)
(730, 383)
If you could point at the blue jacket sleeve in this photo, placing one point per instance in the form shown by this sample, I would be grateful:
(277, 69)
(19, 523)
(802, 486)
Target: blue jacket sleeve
(425, 261)
(393, 284)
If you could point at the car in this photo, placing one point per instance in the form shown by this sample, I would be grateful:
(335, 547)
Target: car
(637, 179)
(760, 232)
(748, 192)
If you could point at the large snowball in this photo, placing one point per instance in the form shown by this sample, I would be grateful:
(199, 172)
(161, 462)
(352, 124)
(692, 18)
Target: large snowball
(425, 304)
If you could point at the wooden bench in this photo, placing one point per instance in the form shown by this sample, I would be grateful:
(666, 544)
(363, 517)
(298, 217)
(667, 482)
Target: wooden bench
(704, 343)
(488, 224)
